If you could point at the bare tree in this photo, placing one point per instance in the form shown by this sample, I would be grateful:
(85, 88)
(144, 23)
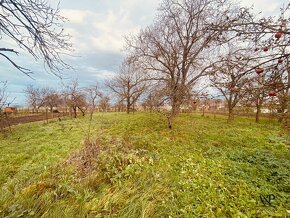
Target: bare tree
(36, 27)
(51, 98)
(129, 84)
(156, 97)
(104, 103)
(93, 94)
(35, 97)
(153, 101)
(120, 106)
(230, 77)
(256, 93)
(75, 98)
(177, 48)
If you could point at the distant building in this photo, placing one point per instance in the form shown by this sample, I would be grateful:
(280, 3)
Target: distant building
(216, 104)
(263, 110)
(211, 104)
(10, 110)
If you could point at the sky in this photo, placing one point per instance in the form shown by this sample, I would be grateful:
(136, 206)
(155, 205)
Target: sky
(97, 28)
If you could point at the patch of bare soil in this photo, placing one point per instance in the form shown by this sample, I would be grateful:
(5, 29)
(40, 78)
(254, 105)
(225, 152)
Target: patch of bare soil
(11, 121)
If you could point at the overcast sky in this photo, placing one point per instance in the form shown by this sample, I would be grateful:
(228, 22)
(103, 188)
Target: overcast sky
(97, 28)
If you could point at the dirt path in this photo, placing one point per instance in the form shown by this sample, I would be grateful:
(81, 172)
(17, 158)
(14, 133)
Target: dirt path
(28, 119)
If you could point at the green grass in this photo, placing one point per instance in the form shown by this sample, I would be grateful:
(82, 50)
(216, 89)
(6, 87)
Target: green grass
(204, 167)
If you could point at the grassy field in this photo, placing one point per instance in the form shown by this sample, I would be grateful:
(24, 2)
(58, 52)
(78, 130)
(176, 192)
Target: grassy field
(134, 166)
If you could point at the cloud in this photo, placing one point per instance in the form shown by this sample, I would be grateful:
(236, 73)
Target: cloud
(74, 16)
(99, 31)
(267, 7)
(101, 74)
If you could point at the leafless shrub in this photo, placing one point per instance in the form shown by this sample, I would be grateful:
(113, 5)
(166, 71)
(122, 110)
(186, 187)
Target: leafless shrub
(129, 84)
(83, 159)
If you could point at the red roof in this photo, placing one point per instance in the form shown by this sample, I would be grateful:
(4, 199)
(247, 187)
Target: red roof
(10, 109)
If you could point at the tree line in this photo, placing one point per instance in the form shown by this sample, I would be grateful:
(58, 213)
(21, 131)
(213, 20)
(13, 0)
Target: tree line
(72, 97)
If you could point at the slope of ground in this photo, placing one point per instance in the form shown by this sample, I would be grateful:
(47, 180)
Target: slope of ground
(136, 167)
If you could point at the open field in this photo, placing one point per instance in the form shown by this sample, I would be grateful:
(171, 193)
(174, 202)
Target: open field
(136, 167)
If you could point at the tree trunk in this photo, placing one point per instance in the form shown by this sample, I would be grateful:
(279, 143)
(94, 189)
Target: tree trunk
(82, 111)
(169, 120)
(34, 110)
(46, 115)
(284, 106)
(258, 113)
(70, 112)
(75, 112)
(175, 107)
(231, 114)
(91, 114)
(128, 105)
(8, 121)
(203, 111)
